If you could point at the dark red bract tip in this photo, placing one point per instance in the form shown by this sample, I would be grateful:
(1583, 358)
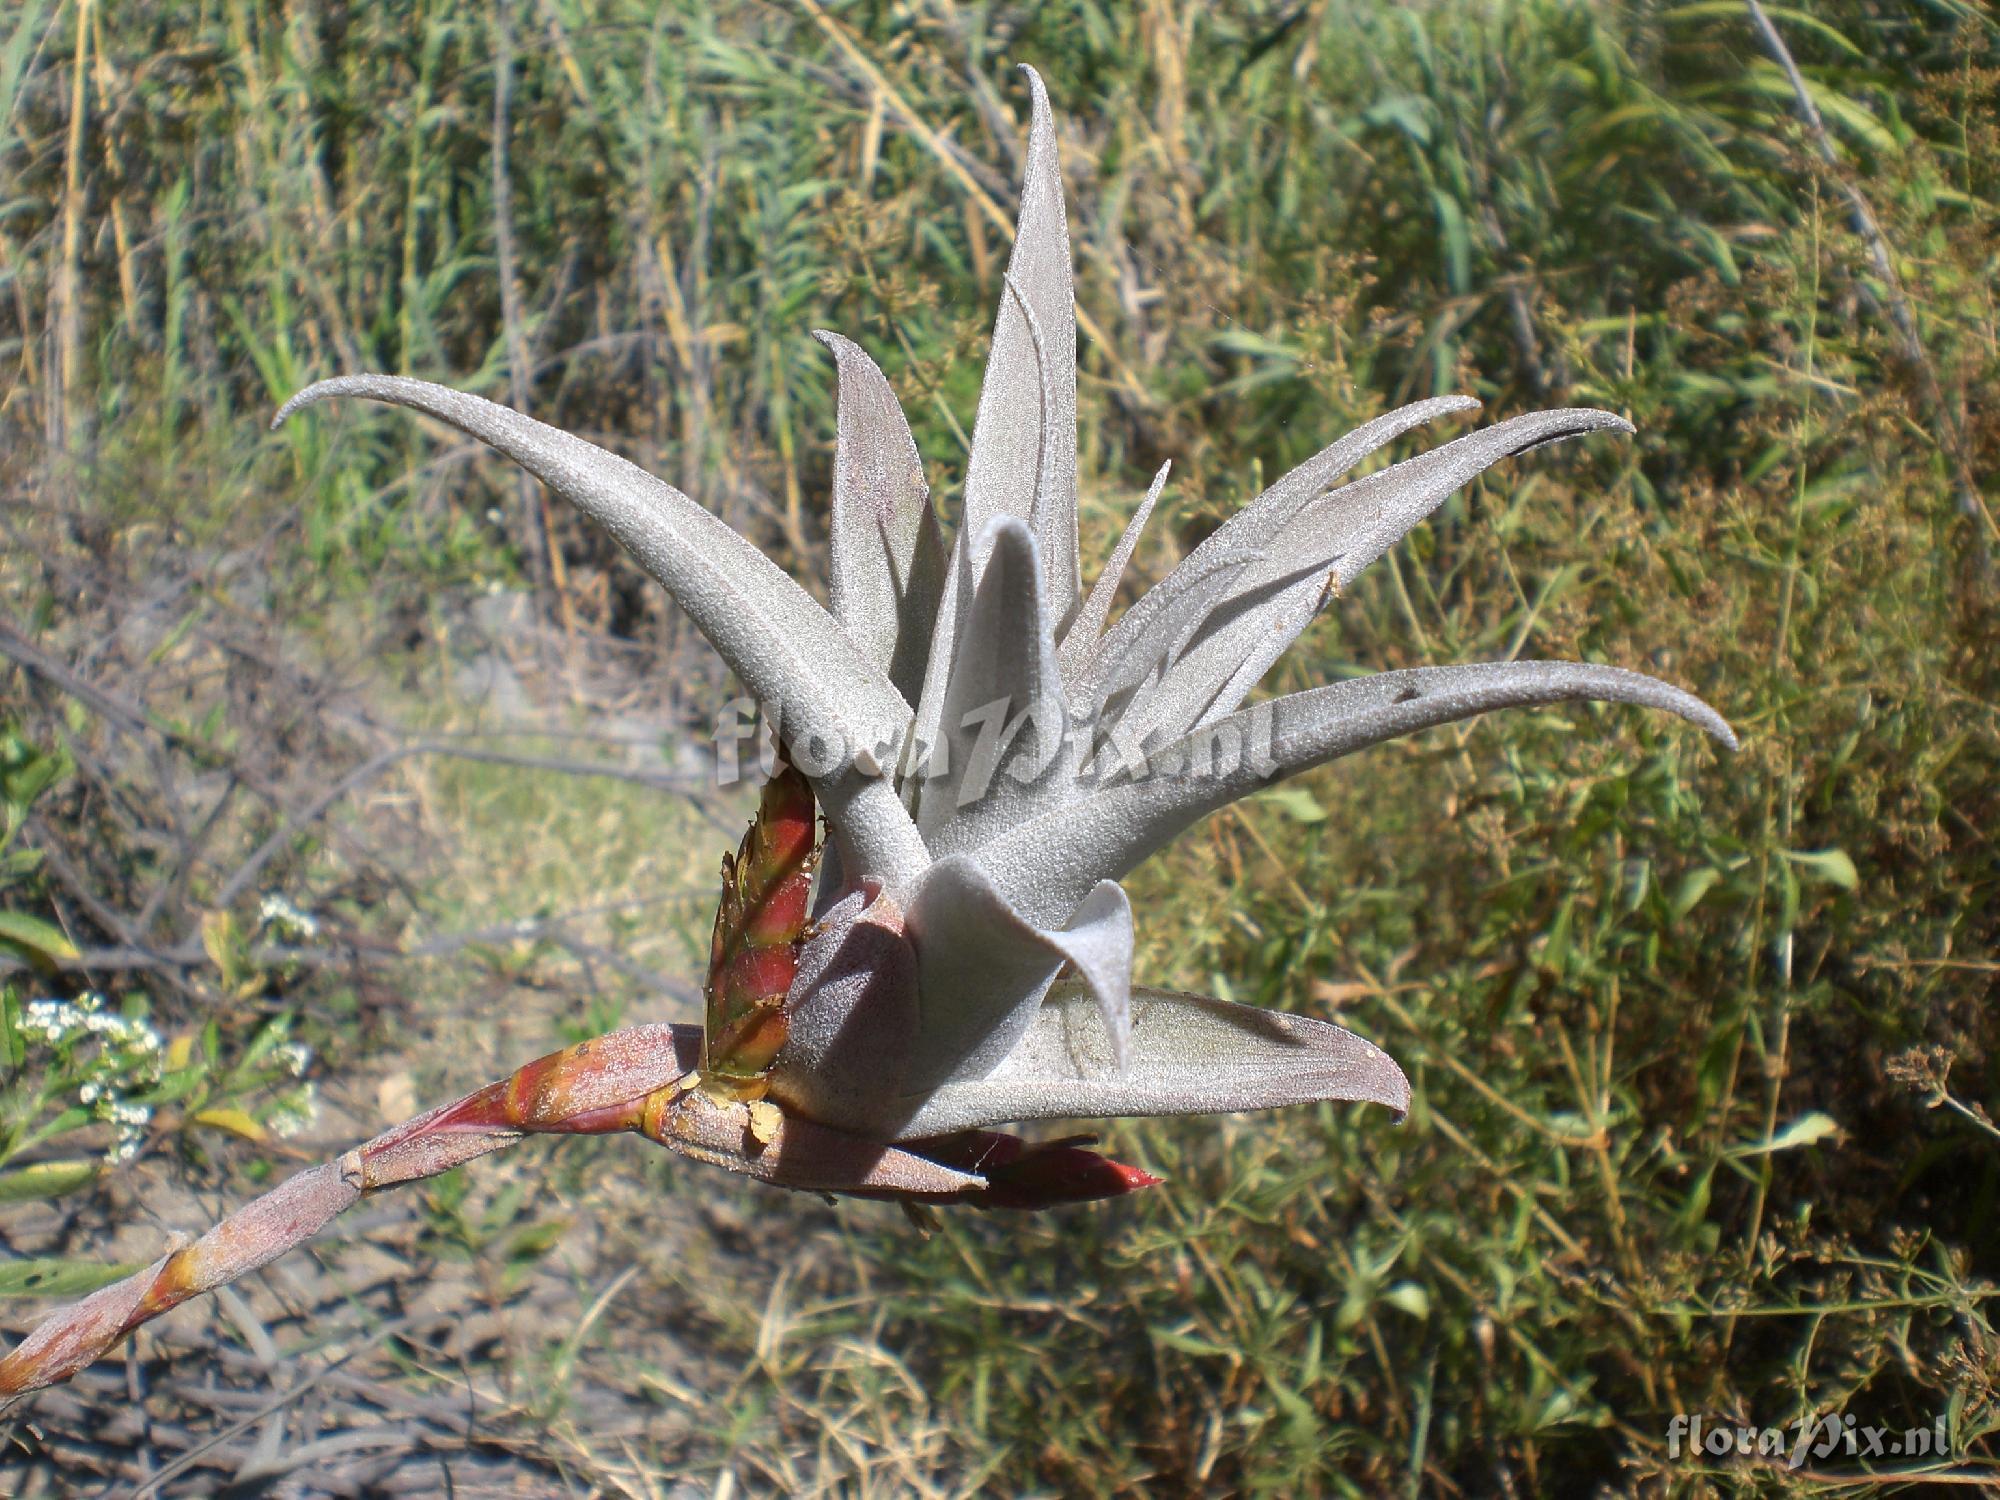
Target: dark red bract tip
(1135, 1177)
(1026, 1176)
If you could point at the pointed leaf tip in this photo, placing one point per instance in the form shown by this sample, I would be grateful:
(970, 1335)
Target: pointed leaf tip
(1251, 618)
(886, 554)
(1023, 459)
(1088, 627)
(1053, 858)
(1328, 539)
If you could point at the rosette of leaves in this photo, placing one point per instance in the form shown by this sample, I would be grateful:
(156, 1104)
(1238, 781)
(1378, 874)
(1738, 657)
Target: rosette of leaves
(992, 753)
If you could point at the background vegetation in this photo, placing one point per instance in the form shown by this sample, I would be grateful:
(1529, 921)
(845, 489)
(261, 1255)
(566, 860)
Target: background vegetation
(349, 775)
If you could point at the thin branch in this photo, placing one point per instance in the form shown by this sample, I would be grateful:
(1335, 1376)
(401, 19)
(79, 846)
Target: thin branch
(129, 716)
(635, 1080)
(173, 881)
(134, 953)
(71, 879)
(170, 961)
(377, 764)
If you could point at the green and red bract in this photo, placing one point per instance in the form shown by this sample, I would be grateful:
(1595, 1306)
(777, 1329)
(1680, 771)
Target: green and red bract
(760, 924)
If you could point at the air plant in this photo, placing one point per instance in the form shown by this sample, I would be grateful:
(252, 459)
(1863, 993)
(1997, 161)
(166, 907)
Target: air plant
(992, 754)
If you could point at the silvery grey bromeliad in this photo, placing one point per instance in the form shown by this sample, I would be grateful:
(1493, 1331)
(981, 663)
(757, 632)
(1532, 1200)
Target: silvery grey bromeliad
(992, 754)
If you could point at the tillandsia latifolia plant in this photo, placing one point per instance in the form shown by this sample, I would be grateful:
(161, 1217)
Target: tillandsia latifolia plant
(992, 754)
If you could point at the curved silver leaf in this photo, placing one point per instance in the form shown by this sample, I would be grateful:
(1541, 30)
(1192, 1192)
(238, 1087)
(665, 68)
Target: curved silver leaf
(1257, 525)
(1088, 626)
(1008, 435)
(886, 554)
(1002, 738)
(983, 968)
(1341, 532)
(1358, 522)
(1252, 533)
(1047, 863)
(833, 705)
(1187, 1055)
(1140, 647)
(1140, 706)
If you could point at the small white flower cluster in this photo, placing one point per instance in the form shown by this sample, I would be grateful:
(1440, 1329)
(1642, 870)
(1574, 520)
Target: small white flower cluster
(279, 913)
(129, 1057)
(60, 1021)
(131, 1120)
(294, 1058)
(298, 1111)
